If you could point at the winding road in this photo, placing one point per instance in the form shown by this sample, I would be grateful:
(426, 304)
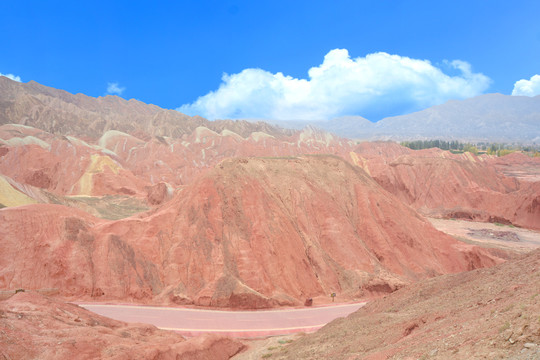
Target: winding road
(192, 322)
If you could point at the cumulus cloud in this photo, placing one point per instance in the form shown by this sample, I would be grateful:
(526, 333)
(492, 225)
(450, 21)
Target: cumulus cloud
(527, 87)
(373, 86)
(115, 89)
(12, 77)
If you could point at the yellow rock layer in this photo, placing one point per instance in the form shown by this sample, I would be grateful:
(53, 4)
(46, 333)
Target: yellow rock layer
(97, 165)
(9, 196)
(469, 156)
(359, 161)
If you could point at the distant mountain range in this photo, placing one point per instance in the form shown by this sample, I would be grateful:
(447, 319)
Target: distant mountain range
(60, 112)
(491, 117)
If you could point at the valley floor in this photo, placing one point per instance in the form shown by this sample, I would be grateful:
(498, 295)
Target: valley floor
(490, 235)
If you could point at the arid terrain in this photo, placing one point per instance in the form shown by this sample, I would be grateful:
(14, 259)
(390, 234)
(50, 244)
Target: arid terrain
(438, 183)
(490, 235)
(108, 200)
(482, 314)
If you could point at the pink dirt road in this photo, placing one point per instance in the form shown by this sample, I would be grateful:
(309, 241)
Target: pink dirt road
(192, 322)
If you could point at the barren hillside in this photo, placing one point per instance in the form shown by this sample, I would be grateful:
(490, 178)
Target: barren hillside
(481, 314)
(252, 232)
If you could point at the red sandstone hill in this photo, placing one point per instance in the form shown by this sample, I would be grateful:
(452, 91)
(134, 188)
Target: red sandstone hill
(179, 161)
(63, 166)
(37, 327)
(518, 165)
(252, 232)
(142, 145)
(483, 314)
(121, 164)
(439, 183)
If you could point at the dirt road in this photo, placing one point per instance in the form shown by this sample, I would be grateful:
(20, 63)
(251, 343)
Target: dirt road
(192, 322)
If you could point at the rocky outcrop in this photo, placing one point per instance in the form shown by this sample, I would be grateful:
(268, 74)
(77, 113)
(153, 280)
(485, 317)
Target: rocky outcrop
(53, 246)
(158, 194)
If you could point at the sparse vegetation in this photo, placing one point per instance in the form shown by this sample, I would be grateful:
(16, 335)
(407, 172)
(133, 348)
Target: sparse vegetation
(456, 147)
(441, 144)
(499, 224)
(110, 207)
(505, 326)
(277, 349)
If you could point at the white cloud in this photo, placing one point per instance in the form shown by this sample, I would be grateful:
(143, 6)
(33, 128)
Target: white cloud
(527, 87)
(374, 86)
(114, 88)
(12, 77)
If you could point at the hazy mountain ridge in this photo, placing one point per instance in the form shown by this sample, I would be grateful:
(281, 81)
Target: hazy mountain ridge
(490, 117)
(60, 112)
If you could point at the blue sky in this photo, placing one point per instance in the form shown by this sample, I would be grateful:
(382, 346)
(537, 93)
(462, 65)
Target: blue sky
(276, 59)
